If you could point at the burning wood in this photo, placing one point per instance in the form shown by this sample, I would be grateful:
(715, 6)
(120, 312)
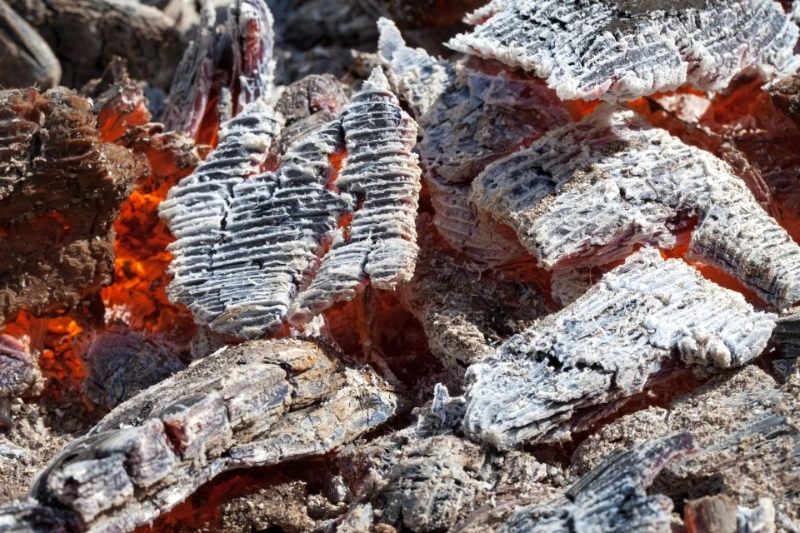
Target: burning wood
(273, 261)
(621, 49)
(60, 192)
(524, 272)
(626, 331)
(258, 404)
(622, 183)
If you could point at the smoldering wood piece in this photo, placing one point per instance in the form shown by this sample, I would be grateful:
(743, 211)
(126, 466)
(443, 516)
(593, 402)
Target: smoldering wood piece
(380, 170)
(785, 94)
(60, 192)
(308, 104)
(720, 514)
(426, 13)
(19, 369)
(121, 362)
(259, 403)
(749, 443)
(29, 516)
(465, 315)
(223, 69)
(636, 323)
(86, 34)
(587, 193)
(617, 49)
(612, 497)
(318, 23)
(27, 60)
(468, 119)
(426, 478)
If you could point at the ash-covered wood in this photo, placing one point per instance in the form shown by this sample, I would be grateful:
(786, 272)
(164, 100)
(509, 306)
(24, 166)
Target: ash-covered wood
(587, 193)
(27, 60)
(468, 119)
(257, 404)
(619, 49)
(465, 315)
(19, 372)
(379, 245)
(611, 497)
(223, 69)
(575, 366)
(86, 34)
(60, 192)
(744, 423)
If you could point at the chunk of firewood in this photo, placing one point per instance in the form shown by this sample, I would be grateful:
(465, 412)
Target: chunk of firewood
(86, 34)
(611, 497)
(19, 371)
(586, 194)
(60, 191)
(465, 315)
(256, 404)
(27, 60)
(279, 245)
(468, 119)
(746, 430)
(621, 49)
(223, 69)
(633, 327)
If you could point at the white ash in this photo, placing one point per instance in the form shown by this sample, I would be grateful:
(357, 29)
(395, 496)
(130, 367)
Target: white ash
(588, 193)
(618, 49)
(627, 329)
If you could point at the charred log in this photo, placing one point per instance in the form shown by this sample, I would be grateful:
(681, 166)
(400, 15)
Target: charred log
(27, 60)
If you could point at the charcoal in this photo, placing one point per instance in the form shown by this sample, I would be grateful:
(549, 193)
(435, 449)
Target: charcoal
(27, 60)
(612, 496)
(414, 15)
(468, 119)
(122, 362)
(588, 193)
(379, 245)
(620, 49)
(318, 23)
(635, 323)
(223, 69)
(465, 316)
(19, 371)
(720, 514)
(426, 478)
(744, 423)
(60, 192)
(260, 403)
(86, 34)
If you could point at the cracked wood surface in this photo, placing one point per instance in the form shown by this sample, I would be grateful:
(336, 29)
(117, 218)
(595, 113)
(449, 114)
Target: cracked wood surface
(618, 49)
(256, 404)
(588, 193)
(573, 367)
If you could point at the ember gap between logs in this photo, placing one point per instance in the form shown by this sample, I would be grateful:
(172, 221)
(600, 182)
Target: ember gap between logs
(372, 265)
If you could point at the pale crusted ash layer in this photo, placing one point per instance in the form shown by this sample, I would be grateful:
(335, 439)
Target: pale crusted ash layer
(27, 60)
(227, 67)
(611, 497)
(254, 249)
(426, 478)
(746, 429)
(121, 362)
(619, 49)
(586, 194)
(465, 315)
(60, 191)
(86, 34)
(468, 119)
(379, 245)
(257, 404)
(576, 366)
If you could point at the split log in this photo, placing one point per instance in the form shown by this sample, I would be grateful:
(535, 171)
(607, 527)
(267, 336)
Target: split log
(588, 193)
(575, 366)
(257, 404)
(60, 192)
(620, 49)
